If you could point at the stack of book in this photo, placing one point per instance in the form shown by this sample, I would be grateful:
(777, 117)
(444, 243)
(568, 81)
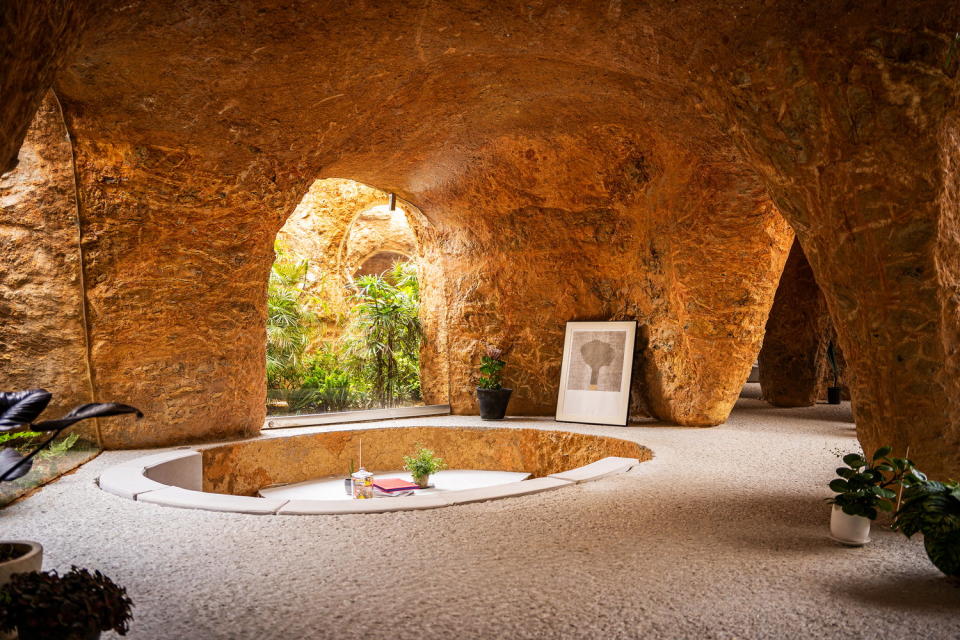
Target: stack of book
(393, 487)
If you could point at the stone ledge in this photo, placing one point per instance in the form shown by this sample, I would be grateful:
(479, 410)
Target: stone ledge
(175, 479)
(596, 470)
(377, 505)
(508, 490)
(185, 499)
(184, 470)
(127, 481)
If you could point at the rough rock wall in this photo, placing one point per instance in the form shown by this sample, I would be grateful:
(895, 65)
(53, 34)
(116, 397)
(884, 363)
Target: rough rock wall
(608, 226)
(37, 38)
(176, 283)
(847, 111)
(42, 341)
(378, 231)
(793, 361)
(854, 132)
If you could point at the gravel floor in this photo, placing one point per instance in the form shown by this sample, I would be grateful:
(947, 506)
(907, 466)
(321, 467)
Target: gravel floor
(722, 535)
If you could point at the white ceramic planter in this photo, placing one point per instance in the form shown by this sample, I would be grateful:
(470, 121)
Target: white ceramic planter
(32, 560)
(853, 531)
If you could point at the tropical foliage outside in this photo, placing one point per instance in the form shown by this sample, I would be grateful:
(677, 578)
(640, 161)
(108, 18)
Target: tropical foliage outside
(375, 361)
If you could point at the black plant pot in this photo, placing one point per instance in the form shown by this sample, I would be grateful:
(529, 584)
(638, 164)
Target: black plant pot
(493, 403)
(833, 395)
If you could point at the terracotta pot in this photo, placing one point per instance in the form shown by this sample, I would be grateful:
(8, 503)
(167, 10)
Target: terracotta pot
(493, 403)
(853, 531)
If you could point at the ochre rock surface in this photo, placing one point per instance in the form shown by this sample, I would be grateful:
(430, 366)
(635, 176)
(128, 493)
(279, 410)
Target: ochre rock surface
(246, 467)
(574, 161)
(378, 238)
(42, 335)
(793, 361)
(38, 38)
(649, 238)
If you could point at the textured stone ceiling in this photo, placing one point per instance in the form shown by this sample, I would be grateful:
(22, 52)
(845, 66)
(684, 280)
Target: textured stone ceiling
(572, 161)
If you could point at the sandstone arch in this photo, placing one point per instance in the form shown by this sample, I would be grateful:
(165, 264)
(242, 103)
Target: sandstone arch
(672, 132)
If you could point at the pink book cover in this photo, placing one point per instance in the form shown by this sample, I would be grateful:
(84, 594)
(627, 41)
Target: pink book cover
(393, 484)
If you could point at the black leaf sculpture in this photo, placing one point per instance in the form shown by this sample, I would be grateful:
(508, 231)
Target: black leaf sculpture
(19, 409)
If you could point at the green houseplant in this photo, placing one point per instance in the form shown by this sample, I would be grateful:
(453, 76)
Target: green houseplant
(75, 606)
(492, 397)
(863, 489)
(933, 509)
(422, 465)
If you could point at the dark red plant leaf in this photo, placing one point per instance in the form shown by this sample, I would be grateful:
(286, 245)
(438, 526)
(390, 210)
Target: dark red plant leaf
(18, 408)
(85, 411)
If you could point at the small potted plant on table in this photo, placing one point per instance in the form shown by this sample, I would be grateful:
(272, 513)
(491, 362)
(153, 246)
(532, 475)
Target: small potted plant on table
(863, 490)
(492, 397)
(933, 509)
(422, 465)
(75, 606)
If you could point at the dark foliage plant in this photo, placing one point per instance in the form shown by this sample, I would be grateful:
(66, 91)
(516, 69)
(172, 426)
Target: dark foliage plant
(19, 409)
(864, 487)
(78, 604)
(932, 509)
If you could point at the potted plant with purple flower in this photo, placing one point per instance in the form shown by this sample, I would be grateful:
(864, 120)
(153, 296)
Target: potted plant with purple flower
(492, 397)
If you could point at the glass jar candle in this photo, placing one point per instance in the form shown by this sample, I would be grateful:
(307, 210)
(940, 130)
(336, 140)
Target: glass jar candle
(362, 485)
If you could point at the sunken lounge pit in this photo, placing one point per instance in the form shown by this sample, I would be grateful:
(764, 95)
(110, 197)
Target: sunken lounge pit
(230, 477)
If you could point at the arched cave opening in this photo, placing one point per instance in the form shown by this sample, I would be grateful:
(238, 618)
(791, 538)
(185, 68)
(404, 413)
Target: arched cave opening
(345, 326)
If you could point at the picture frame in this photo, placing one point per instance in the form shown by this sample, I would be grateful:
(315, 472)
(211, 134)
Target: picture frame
(596, 372)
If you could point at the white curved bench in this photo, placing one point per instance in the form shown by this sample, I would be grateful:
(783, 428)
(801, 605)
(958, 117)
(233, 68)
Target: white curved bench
(175, 479)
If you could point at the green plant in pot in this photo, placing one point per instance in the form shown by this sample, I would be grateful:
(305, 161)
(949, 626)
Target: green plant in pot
(492, 397)
(864, 488)
(835, 392)
(422, 465)
(933, 509)
(75, 606)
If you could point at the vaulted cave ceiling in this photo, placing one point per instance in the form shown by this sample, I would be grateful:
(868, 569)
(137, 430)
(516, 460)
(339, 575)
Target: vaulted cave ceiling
(659, 142)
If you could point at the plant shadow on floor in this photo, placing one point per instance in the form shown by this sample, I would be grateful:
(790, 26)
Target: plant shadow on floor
(926, 590)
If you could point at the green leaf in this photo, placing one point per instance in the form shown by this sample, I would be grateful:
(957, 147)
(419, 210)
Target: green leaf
(854, 460)
(839, 485)
(882, 452)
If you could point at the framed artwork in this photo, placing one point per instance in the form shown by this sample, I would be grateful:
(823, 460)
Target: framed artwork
(596, 372)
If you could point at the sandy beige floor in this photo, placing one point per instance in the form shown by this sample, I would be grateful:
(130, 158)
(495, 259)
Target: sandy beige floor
(723, 535)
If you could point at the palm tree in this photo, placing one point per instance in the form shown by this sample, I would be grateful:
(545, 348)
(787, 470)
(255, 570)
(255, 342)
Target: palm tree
(290, 324)
(385, 334)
